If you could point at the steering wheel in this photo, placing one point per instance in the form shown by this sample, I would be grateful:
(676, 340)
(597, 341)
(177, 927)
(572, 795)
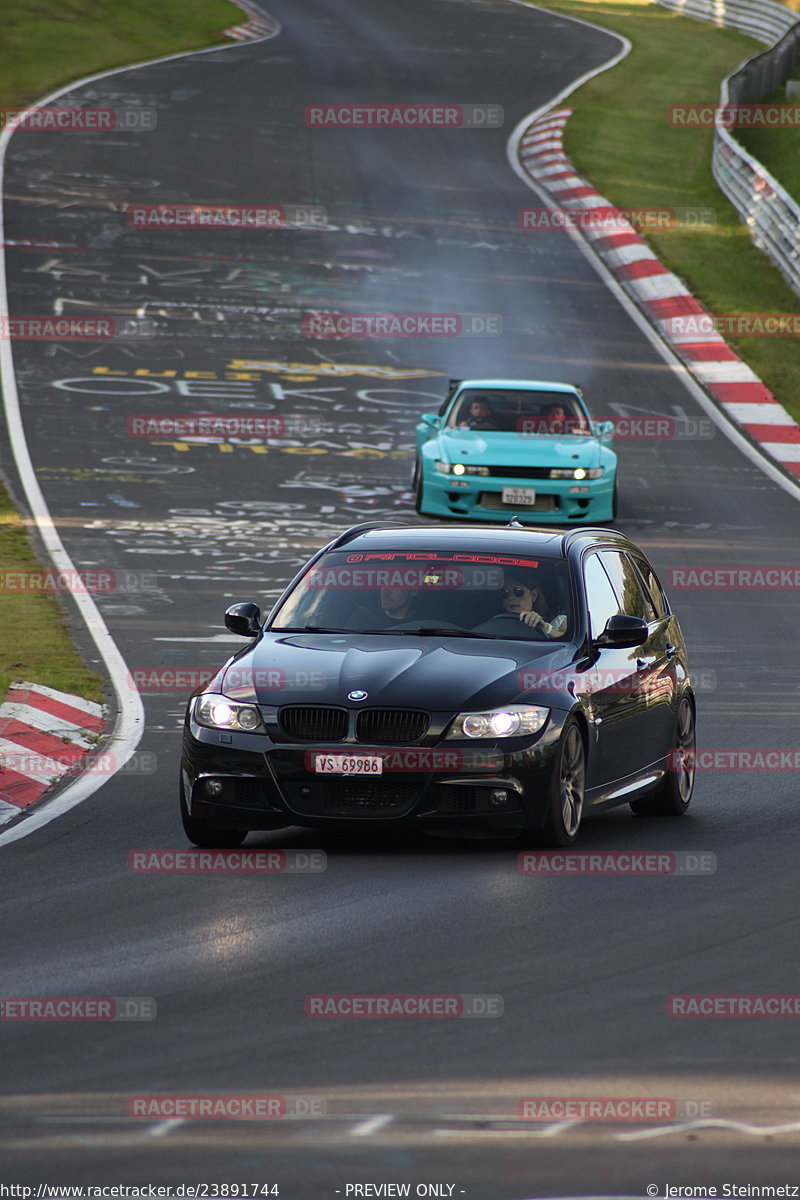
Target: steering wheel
(420, 622)
(513, 617)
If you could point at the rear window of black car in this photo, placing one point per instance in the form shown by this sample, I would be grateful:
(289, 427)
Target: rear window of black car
(383, 590)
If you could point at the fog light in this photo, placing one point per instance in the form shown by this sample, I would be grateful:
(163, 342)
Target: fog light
(498, 798)
(213, 787)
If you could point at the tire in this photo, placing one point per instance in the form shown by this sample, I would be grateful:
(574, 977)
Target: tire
(205, 835)
(567, 790)
(674, 794)
(615, 500)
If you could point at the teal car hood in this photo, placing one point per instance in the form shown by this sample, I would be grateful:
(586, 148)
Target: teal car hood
(513, 449)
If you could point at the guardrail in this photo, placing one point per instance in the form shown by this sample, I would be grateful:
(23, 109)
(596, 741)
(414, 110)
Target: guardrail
(770, 213)
(760, 19)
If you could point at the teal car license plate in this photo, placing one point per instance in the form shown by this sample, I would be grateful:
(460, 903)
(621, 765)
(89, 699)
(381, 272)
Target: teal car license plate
(517, 495)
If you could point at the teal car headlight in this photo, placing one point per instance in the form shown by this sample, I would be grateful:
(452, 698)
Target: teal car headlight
(218, 712)
(576, 472)
(459, 469)
(514, 721)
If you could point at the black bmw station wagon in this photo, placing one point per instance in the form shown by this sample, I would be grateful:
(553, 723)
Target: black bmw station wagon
(437, 676)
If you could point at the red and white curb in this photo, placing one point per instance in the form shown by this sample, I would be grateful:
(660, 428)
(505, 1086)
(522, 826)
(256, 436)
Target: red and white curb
(256, 26)
(660, 295)
(43, 735)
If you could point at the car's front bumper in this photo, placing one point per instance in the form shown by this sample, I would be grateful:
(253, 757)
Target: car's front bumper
(558, 501)
(269, 786)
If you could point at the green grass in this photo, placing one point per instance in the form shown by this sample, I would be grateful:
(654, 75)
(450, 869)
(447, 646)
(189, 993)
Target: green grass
(35, 643)
(619, 138)
(45, 44)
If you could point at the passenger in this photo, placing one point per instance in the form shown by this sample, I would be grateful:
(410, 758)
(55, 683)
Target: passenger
(528, 603)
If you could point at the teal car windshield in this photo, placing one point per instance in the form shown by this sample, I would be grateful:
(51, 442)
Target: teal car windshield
(518, 411)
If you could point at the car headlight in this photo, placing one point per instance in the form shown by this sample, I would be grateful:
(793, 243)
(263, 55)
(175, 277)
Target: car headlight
(459, 469)
(218, 712)
(576, 472)
(514, 721)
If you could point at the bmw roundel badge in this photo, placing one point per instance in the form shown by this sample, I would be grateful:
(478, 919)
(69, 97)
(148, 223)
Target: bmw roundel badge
(357, 695)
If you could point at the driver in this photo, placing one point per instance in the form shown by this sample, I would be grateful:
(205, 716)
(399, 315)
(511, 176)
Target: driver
(479, 415)
(395, 606)
(398, 603)
(528, 603)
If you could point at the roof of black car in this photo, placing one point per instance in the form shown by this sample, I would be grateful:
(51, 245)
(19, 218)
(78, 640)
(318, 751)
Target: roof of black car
(483, 538)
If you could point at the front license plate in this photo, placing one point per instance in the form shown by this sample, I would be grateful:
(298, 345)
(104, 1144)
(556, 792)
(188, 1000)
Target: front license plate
(347, 764)
(512, 495)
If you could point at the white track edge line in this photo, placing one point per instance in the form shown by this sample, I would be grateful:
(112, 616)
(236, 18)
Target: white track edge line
(129, 725)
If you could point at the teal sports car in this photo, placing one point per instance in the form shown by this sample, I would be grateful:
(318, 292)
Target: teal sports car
(515, 446)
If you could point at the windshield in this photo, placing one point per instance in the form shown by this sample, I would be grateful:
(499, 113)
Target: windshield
(480, 595)
(518, 411)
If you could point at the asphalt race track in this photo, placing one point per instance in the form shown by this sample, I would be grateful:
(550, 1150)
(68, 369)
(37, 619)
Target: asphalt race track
(414, 221)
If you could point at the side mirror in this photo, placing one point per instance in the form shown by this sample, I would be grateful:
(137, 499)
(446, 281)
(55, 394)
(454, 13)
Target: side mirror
(604, 430)
(431, 420)
(623, 632)
(244, 619)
